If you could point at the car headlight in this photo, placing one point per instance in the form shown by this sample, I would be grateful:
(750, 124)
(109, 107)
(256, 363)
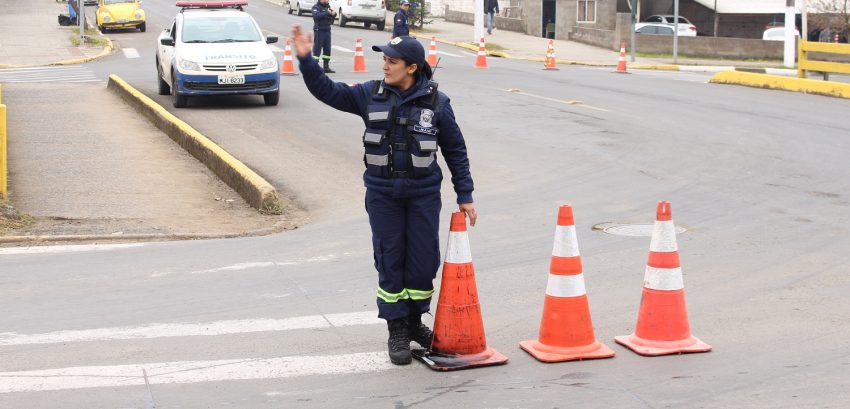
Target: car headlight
(106, 18)
(270, 63)
(189, 65)
(138, 15)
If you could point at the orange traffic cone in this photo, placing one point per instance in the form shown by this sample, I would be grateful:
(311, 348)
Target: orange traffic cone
(432, 53)
(550, 63)
(459, 341)
(359, 60)
(662, 326)
(566, 331)
(287, 68)
(621, 63)
(481, 61)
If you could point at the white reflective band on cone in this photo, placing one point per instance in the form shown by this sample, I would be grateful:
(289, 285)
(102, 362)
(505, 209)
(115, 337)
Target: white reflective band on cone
(665, 279)
(566, 286)
(663, 237)
(566, 242)
(457, 251)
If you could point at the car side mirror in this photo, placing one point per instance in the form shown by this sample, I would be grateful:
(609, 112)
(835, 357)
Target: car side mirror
(167, 41)
(271, 40)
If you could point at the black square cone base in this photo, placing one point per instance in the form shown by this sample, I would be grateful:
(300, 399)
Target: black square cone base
(439, 361)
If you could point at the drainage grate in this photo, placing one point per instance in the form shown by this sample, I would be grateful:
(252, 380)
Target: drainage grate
(631, 229)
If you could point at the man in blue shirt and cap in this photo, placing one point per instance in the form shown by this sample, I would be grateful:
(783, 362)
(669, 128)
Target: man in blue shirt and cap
(400, 27)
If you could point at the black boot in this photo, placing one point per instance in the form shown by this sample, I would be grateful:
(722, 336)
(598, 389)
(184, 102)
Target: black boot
(327, 68)
(419, 332)
(399, 342)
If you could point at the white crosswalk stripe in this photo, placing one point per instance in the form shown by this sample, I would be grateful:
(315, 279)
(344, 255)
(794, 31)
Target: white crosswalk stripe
(161, 373)
(130, 53)
(48, 74)
(185, 372)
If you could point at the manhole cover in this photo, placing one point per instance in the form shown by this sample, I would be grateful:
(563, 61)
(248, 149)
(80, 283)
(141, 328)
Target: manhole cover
(631, 229)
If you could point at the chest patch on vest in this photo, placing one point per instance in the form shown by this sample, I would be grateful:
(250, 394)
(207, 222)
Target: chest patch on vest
(425, 117)
(421, 129)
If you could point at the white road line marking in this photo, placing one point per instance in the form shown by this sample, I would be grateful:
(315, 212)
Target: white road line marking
(130, 53)
(183, 372)
(248, 265)
(66, 249)
(163, 330)
(562, 101)
(450, 54)
(276, 49)
(345, 50)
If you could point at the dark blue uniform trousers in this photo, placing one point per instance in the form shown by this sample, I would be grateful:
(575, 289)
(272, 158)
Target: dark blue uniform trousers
(407, 251)
(322, 45)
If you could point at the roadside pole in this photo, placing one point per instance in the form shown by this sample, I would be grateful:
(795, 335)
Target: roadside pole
(4, 193)
(790, 24)
(675, 31)
(81, 17)
(633, 5)
(478, 27)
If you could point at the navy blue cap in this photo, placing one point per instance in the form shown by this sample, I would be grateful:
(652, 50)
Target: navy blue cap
(404, 3)
(407, 48)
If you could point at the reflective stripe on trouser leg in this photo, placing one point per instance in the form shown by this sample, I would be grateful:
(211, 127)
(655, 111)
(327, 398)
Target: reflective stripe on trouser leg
(322, 45)
(406, 249)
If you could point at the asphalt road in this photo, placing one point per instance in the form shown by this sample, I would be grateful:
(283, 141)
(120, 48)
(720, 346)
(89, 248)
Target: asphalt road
(757, 177)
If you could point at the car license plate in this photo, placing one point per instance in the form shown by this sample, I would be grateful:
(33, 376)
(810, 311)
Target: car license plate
(231, 79)
(122, 21)
(367, 5)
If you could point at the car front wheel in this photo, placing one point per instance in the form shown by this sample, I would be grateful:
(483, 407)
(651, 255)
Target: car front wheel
(342, 19)
(380, 25)
(180, 101)
(271, 99)
(164, 89)
(142, 27)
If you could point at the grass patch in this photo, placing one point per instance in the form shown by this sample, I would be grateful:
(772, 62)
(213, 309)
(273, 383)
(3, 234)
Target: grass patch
(11, 219)
(493, 47)
(93, 38)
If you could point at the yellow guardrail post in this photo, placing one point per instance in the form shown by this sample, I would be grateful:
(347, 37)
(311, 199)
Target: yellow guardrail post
(3, 190)
(805, 64)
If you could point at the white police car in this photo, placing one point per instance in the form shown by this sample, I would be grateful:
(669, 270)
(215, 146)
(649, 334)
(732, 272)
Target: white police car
(215, 48)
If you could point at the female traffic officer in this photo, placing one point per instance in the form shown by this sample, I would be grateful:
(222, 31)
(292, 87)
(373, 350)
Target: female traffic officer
(406, 121)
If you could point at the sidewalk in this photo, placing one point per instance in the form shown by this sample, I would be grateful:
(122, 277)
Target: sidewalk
(86, 166)
(31, 36)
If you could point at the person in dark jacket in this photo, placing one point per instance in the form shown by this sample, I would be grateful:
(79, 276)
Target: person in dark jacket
(400, 27)
(323, 18)
(491, 8)
(407, 120)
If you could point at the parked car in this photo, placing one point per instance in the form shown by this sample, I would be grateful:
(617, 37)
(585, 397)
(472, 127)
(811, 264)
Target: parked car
(686, 29)
(777, 34)
(216, 49)
(654, 28)
(113, 14)
(301, 6)
(367, 12)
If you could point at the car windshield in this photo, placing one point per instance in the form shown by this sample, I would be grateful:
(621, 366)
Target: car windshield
(119, 1)
(218, 29)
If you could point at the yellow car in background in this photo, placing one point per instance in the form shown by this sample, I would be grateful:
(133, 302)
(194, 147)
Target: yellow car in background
(112, 14)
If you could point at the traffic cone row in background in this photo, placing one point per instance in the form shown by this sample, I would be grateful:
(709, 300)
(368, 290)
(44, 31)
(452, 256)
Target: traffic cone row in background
(481, 60)
(359, 59)
(550, 63)
(566, 329)
(287, 68)
(621, 62)
(432, 53)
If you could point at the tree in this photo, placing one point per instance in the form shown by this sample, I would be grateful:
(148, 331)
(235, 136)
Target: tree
(832, 14)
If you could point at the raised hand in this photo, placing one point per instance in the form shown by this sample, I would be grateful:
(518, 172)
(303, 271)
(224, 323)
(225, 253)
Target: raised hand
(303, 43)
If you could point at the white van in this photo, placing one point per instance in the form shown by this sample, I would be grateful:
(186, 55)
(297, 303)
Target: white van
(367, 12)
(301, 6)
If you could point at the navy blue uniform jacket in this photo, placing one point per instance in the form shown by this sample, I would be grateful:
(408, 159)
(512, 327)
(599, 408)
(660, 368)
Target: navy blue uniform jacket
(322, 18)
(355, 100)
(400, 27)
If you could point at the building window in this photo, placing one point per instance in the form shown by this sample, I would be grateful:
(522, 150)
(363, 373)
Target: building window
(586, 11)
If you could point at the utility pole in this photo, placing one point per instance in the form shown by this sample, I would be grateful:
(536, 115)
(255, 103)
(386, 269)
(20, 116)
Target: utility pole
(716, 19)
(634, 4)
(81, 17)
(790, 26)
(478, 27)
(676, 30)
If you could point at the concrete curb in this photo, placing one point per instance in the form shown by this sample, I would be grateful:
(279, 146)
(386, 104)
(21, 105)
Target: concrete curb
(259, 193)
(748, 79)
